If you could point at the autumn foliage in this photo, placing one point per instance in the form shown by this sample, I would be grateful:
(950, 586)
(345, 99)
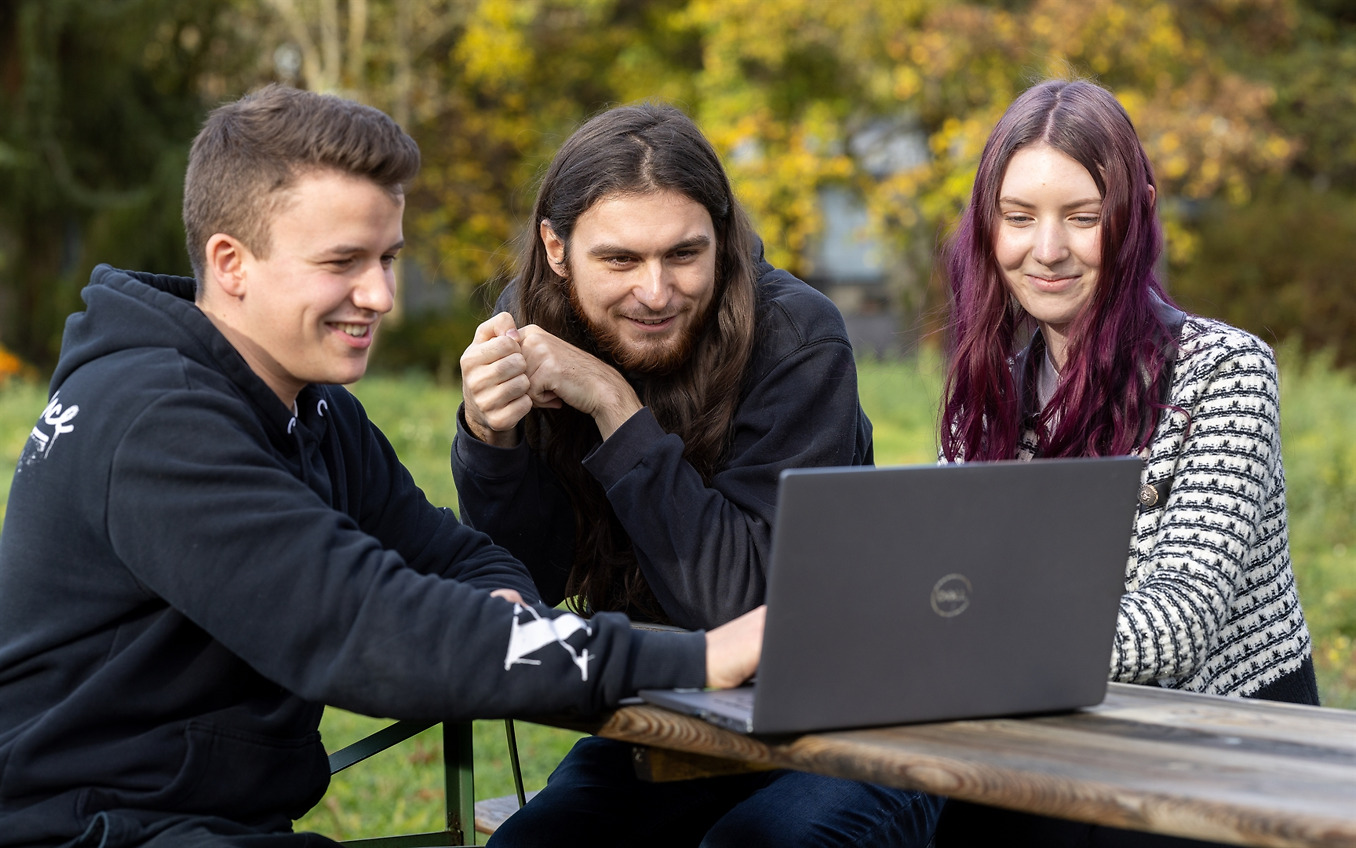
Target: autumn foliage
(888, 101)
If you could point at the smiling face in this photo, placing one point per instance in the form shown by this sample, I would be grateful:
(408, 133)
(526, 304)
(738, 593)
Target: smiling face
(308, 311)
(1048, 239)
(642, 271)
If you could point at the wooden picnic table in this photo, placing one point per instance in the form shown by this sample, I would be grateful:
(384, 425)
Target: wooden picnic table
(1229, 770)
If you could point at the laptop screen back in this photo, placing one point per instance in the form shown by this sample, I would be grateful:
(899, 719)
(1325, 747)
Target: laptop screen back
(940, 592)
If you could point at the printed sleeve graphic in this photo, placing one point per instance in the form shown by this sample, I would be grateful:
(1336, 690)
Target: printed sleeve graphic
(58, 419)
(531, 632)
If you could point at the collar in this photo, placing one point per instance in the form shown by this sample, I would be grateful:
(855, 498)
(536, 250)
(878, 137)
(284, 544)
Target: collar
(1027, 362)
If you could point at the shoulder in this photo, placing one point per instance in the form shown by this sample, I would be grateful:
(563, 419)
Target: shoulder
(138, 400)
(1223, 372)
(131, 379)
(792, 314)
(1199, 332)
(349, 425)
(1209, 346)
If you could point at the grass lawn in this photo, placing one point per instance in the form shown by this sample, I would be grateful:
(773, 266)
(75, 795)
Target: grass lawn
(401, 790)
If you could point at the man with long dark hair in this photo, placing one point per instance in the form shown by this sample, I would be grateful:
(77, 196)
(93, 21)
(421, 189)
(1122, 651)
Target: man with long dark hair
(627, 414)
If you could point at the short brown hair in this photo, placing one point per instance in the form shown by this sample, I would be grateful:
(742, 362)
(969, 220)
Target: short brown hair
(250, 151)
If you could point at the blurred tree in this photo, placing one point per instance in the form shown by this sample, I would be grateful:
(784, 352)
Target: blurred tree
(887, 100)
(800, 95)
(1280, 265)
(804, 95)
(98, 100)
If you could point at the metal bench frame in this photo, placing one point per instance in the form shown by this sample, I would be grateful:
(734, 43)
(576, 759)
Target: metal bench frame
(458, 777)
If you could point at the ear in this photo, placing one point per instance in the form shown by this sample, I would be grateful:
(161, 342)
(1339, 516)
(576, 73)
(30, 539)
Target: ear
(555, 248)
(1153, 196)
(225, 265)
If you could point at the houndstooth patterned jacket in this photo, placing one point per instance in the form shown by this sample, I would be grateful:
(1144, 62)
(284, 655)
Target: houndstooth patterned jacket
(1211, 603)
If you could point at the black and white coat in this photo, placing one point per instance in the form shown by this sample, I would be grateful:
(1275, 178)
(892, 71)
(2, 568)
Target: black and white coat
(1211, 603)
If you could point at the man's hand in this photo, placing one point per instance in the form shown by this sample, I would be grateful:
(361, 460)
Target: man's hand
(510, 595)
(733, 649)
(494, 382)
(560, 372)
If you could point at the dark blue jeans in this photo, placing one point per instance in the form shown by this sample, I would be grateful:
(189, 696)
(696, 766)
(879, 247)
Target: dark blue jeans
(595, 799)
(965, 825)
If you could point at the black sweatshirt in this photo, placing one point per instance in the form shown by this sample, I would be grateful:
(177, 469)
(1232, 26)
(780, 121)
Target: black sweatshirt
(188, 573)
(703, 548)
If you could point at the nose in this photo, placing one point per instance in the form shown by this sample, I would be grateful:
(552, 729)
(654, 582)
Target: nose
(653, 286)
(1052, 244)
(374, 289)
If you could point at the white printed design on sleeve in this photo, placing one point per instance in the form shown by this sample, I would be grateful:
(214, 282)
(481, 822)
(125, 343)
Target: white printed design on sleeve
(532, 632)
(40, 442)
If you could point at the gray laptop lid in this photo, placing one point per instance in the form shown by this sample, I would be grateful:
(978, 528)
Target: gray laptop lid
(924, 593)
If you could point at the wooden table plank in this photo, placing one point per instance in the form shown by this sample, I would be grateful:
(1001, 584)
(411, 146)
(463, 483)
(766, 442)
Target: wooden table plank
(1223, 769)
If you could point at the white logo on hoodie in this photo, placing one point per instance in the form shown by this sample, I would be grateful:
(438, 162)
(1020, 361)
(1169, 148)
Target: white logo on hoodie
(530, 633)
(57, 417)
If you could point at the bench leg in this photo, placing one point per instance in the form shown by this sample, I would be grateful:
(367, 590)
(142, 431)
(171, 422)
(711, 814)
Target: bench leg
(513, 761)
(460, 780)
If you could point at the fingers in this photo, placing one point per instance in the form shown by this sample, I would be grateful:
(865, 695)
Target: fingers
(510, 595)
(734, 648)
(508, 370)
(550, 364)
(560, 372)
(495, 382)
(497, 326)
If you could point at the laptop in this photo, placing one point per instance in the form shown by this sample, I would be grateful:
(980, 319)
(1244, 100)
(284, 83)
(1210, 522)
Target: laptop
(935, 592)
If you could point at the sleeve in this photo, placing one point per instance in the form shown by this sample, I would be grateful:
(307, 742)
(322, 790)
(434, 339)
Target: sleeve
(510, 494)
(704, 549)
(387, 504)
(214, 527)
(1184, 579)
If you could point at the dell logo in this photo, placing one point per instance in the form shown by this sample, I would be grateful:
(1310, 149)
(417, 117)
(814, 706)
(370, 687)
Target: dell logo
(951, 595)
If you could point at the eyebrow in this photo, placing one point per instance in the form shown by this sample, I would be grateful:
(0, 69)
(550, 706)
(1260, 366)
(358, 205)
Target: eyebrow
(603, 250)
(1077, 204)
(350, 249)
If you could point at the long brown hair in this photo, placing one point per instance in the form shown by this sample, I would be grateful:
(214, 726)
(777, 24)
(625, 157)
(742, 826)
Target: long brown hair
(637, 149)
(1121, 349)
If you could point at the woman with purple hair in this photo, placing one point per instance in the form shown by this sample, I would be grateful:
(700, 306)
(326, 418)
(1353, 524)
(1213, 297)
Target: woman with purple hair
(1063, 343)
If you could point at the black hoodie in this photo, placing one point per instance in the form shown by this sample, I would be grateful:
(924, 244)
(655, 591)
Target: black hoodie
(188, 572)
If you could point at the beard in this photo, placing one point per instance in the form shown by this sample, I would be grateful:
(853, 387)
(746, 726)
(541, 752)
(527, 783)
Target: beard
(655, 357)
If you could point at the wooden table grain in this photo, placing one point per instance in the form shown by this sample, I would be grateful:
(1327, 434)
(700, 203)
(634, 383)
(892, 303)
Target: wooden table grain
(1223, 769)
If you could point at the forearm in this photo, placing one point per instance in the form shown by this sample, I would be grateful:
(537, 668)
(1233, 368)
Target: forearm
(511, 496)
(704, 547)
(482, 661)
(1195, 558)
(702, 552)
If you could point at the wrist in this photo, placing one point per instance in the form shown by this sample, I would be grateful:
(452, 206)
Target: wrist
(482, 432)
(616, 410)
